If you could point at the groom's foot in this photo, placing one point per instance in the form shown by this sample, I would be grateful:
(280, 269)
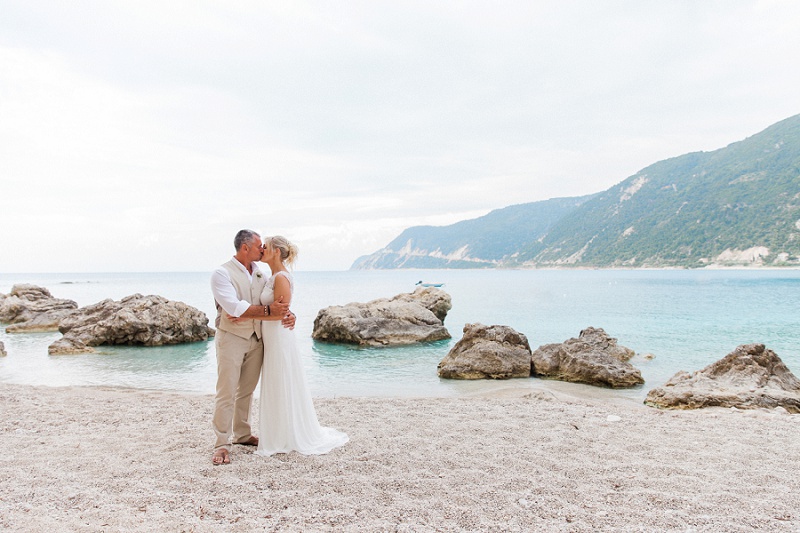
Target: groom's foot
(252, 441)
(221, 457)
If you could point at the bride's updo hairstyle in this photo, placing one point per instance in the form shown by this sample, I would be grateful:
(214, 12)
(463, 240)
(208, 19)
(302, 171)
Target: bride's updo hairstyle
(288, 250)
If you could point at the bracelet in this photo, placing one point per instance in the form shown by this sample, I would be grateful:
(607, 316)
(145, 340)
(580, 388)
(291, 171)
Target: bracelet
(265, 310)
(269, 311)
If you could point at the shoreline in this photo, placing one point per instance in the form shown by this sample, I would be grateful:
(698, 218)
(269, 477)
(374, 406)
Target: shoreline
(531, 268)
(95, 458)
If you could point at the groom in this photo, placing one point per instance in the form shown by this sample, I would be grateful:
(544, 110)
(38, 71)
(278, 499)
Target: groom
(237, 287)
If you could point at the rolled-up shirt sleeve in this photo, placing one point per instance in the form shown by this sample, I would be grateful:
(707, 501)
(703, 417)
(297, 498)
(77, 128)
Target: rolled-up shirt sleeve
(225, 294)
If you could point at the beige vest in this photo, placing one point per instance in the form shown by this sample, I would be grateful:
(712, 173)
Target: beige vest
(247, 291)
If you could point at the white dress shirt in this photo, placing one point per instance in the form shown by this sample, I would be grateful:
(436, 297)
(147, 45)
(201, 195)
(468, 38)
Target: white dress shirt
(224, 292)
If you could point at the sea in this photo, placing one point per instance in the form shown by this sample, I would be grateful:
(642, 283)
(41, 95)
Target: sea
(685, 319)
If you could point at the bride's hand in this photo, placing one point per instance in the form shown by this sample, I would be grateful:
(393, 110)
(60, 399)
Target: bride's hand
(289, 320)
(236, 319)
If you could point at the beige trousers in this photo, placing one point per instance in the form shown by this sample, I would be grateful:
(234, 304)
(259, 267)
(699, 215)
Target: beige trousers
(238, 369)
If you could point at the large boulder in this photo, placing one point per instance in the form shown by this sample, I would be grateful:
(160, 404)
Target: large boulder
(749, 377)
(593, 358)
(403, 319)
(30, 308)
(488, 352)
(134, 320)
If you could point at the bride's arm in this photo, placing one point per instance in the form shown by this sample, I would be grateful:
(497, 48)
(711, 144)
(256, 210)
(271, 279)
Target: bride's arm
(283, 298)
(283, 291)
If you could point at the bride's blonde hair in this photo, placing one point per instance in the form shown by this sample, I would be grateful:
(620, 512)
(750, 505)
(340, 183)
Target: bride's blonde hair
(288, 249)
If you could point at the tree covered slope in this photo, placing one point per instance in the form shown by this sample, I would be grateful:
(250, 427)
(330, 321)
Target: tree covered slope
(736, 205)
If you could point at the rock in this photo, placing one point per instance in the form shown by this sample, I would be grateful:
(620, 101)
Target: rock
(749, 377)
(29, 309)
(2, 349)
(598, 339)
(134, 320)
(593, 358)
(493, 352)
(403, 319)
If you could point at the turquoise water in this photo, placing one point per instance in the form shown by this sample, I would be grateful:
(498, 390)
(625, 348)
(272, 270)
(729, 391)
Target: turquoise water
(687, 319)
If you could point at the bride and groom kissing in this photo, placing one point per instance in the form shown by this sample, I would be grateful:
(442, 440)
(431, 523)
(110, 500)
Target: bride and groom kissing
(255, 339)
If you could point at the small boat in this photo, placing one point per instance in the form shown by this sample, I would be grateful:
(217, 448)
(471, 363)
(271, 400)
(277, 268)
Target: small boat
(422, 284)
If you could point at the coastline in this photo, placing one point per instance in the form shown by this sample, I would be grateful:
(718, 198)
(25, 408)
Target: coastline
(712, 266)
(80, 458)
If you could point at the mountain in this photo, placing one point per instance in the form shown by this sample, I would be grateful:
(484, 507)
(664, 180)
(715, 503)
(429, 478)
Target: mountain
(488, 241)
(736, 205)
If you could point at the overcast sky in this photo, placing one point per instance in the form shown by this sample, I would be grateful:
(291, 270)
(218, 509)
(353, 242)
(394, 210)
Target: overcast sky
(140, 136)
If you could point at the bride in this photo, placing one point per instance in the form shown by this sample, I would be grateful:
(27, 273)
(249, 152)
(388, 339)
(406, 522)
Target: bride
(287, 419)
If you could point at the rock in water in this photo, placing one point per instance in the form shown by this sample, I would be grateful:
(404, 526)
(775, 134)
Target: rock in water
(493, 352)
(30, 309)
(749, 377)
(403, 319)
(593, 358)
(134, 320)
(2, 349)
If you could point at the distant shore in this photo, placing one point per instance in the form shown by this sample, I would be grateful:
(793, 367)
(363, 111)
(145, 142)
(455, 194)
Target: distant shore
(26, 275)
(125, 460)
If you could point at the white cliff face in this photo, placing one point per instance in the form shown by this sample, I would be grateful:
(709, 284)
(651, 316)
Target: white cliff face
(577, 256)
(462, 254)
(628, 192)
(408, 251)
(756, 254)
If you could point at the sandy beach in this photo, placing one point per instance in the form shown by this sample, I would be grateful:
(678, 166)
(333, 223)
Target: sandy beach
(88, 459)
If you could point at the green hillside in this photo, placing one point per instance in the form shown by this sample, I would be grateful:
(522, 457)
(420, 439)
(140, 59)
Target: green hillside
(688, 210)
(736, 205)
(483, 242)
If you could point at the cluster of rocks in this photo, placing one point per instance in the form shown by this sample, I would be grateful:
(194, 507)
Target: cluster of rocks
(484, 352)
(750, 377)
(403, 319)
(500, 352)
(134, 320)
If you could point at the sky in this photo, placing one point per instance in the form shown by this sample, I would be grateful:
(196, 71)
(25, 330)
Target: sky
(141, 136)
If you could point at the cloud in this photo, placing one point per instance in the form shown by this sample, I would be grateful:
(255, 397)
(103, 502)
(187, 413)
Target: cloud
(143, 135)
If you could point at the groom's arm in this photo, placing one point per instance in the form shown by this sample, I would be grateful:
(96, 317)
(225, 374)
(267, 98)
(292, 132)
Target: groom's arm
(274, 311)
(225, 294)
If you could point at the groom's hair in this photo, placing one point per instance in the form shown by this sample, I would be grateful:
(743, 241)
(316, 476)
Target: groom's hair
(244, 236)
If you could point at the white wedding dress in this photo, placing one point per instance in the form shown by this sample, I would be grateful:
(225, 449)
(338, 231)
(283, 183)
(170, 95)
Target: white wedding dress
(288, 421)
